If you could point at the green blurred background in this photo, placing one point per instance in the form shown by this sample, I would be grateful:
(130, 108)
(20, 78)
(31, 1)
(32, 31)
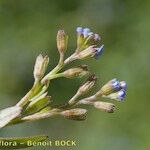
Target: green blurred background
(29, 27)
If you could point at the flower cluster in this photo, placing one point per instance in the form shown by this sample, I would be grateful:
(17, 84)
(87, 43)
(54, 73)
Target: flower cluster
(37, 103)
(113, 90)
(86, 33)
(87, 39)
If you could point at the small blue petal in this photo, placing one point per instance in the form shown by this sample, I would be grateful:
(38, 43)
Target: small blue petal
(99, 52)
(79, 30)
(121, 94)
(96, 37)
(123, 85)
(86, 31)
(116, 85)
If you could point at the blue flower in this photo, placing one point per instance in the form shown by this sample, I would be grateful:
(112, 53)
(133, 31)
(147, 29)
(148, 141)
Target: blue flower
(86, 38)
(116, 85)
(86, 31)
(113, 89)
(99, 52)
(79, 30)
(123, 85)
(121, 95)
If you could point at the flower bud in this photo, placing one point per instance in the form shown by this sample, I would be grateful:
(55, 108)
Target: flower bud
(62, 41)
(104, 106)
(86, 38)
(76, 72)
(119, 96)
(86, 32)
(80, 37)
(75, 114)
(40, 67)
(87, 85)
(92, 39)
(109, 87)
(86, 53)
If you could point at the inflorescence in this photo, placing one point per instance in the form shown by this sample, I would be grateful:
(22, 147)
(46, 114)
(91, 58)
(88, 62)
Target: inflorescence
(37, 104)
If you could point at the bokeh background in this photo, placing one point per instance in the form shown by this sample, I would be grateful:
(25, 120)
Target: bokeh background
(29, 27)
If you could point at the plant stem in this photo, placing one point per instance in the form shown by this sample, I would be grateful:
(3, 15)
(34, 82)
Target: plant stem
(35, 89)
